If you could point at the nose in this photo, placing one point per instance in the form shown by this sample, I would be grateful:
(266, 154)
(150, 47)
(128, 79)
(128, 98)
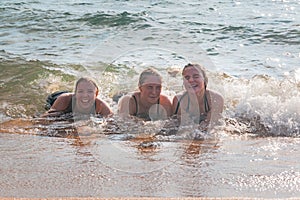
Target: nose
(191, 79)
(153, 90)
(85, 94)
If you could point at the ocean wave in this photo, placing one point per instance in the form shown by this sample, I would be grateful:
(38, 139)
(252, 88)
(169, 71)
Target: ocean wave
(111, 20)
(255, 35)
(264, 105)
(25, 84)
(261, 105)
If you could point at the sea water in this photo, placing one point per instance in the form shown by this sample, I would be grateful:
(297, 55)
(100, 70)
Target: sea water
(250, 50)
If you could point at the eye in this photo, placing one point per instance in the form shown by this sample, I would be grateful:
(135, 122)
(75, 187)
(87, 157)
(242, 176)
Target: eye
(149, 87)
(187, 77)
(196, 76)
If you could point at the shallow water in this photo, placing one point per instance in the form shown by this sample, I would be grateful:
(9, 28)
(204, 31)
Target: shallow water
(250, 49)
(230, 166)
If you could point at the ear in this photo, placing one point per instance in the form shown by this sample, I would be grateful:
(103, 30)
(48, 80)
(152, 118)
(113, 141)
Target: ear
(97, 91)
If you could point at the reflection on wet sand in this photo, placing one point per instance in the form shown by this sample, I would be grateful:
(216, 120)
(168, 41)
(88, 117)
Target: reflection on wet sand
(87, 159)
(127, 198)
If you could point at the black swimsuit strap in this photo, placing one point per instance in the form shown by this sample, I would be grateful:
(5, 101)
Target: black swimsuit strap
(206, 105)
(72, 104)
(136, 105)
(178, 103)
(157, 109)
(69, 109)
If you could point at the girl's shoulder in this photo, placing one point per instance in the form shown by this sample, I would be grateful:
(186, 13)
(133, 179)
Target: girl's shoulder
(132, 97)
(67, 95)
(100, 101)
(102, 107)
(180, 95)
(64, 98)
(164, 99)
(134, 94)
(214, 94)
(164, 96)
(216, 97)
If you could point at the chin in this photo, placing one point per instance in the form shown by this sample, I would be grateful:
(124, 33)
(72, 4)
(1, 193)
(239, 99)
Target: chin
(84, 107)
(197, 90)
(193, 90)
(152, 100)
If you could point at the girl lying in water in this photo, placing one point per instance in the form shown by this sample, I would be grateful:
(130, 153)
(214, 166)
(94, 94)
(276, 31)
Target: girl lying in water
(83, 101)
(197, 103)
(148, 103)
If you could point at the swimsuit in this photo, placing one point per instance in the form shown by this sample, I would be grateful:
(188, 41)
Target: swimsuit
(203, 116)
(143, 115)
(72, 104)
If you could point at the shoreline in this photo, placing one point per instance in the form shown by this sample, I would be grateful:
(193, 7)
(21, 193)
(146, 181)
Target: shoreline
(134, 198)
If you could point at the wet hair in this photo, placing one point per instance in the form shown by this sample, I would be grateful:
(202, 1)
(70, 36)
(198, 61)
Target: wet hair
(87, 79)
(200, 68)
(148, 72)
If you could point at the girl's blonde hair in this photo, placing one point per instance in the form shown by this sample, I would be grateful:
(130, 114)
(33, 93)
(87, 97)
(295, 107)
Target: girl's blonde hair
(200, 68)
(148, 72)
(87, 79)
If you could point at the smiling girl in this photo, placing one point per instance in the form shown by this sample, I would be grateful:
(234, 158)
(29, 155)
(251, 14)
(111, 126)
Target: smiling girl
(198, 103)
(148, 103)
(83, 101)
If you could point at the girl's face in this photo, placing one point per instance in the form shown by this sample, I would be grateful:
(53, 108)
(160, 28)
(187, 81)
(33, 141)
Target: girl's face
(151, 89)
(193, 80)
(85, 94)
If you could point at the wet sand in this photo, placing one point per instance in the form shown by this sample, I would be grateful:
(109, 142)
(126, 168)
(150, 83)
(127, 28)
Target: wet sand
(127, 198)
(36, 167)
